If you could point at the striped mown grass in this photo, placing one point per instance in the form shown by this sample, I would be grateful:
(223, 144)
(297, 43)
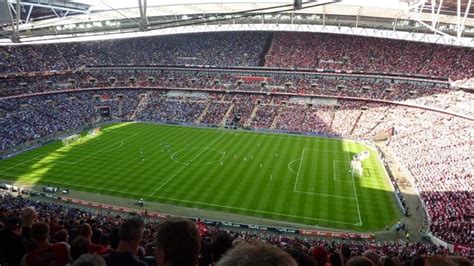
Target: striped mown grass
(277, 176)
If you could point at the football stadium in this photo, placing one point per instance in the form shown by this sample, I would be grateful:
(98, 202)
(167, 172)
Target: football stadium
(271, 132)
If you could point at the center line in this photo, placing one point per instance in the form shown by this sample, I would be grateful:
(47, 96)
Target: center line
(186, 165)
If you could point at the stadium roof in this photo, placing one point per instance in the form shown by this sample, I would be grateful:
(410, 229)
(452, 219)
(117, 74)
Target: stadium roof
(422, 20)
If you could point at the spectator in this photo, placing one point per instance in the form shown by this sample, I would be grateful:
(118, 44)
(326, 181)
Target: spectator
(301, 258)
(85, 230)
(360, 261)
(45, 253)
(131, 233)
(12, 247)
(177, 243)
(28, 217)
(258, 255)
(90, 260)
(79, 246)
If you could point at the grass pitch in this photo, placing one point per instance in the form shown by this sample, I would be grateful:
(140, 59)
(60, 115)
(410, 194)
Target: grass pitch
(283, 177)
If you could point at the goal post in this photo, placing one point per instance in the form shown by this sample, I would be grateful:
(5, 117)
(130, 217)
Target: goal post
(356, 168)
(356, 163)
(71, 139)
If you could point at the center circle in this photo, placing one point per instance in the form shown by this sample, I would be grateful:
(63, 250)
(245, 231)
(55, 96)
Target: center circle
(197, 156)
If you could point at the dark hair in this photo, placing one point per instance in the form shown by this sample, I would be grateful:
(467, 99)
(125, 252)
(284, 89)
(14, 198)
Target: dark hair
(438, 261)
(417, 261)
(179, 240)
(335, 259)
(256, 255)
(359, 261)
(460, 261)
(132, 229)
(84, 230)
(80, 245)
(114, 238)
(39, 231)
(61, 235)
(346, 253)
(301, 258)
(220, 245)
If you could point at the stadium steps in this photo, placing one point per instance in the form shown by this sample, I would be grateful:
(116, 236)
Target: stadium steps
(252, 115)
(378, 123)
(140, 106)
(427, 60)
(231, 107)
(355, 123)
(266, 50)
(275, 120)
(332, 119)
(204, 112)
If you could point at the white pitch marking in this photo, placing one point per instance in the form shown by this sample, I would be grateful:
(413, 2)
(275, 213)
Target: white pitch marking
(334, 172)
(257, 211)
(357, 199)
(186, 165)
(299, 170)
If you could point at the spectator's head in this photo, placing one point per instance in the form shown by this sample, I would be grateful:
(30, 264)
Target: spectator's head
(61, 236)
(320, 255)
(80, 245)
(460, 261)
(39, 233)
(438, 261)
(90, 260)
(301, 258)
(28, 216)
(386, 261)
(220, 245)
(177, 243)
(85, 230)
(131, 234)
(335, 259)
(14, 224)
(360, 261)
(372, 256)
(114, 238)
(259, 254)
(346, 253)
(417, 261)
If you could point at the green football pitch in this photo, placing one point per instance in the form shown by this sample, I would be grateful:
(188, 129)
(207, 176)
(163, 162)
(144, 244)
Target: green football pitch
(283, 177)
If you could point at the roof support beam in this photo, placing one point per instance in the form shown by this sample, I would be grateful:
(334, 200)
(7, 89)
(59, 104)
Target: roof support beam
(15, 36)
(29, 14)
(143, 18)
(49, 6)
(458, 15)
(465, 13)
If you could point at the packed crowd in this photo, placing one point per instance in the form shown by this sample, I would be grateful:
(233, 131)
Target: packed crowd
(35, 232)
(428, 94)
(318, 50)
(287, 49)
(30, 119)
(443, 151)
(442, 170)
(217, 49)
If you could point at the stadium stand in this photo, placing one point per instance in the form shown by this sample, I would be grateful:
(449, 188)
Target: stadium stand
(66, 223)
(63, 98)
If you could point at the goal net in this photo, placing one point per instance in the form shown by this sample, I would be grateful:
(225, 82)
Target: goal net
(356, 163)
(356, 168)
(93, 131)
(71, 139)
